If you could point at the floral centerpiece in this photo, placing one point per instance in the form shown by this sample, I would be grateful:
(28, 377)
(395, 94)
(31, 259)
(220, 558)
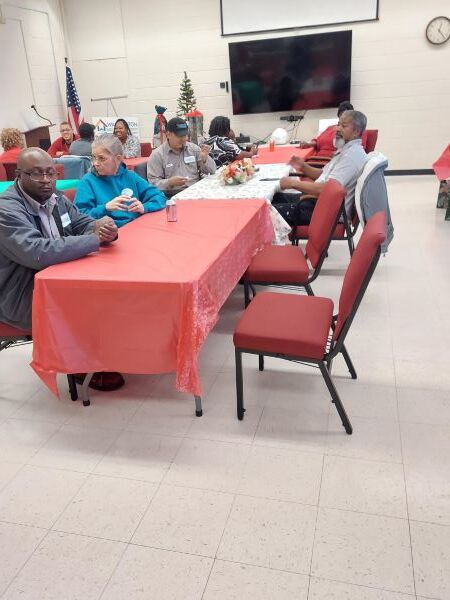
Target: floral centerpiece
(237, 172)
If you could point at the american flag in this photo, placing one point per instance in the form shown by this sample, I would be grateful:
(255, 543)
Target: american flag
(74, 112)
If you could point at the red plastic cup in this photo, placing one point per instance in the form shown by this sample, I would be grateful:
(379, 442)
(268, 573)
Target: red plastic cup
(271, 146)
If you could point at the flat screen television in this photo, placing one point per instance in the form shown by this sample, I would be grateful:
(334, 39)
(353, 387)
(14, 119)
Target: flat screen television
(291, 73)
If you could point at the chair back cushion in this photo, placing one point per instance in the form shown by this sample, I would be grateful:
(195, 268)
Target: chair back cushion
(146, 148)
(10, 169)
(371, 239)
(2, 173)
(323, 220)
(70, 193)
(371, 140)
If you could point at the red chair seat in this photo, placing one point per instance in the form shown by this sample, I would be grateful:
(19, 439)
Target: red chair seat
(280, 264)
(10, 331)
(286, 324)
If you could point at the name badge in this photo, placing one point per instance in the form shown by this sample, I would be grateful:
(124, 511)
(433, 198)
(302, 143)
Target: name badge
(65, 220)
(189, 159)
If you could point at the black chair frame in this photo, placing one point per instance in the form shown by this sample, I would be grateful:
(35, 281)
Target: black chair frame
(325, 364)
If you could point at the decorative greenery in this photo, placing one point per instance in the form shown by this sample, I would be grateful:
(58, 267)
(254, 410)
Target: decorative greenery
(186, 101)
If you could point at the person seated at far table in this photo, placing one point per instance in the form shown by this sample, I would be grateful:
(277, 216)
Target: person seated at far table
(61, 145)
(12, 142)
(178, 163)
(323, 144)
(110, 189)
(130, 143)
(345, 167)
(83, 146)
(222, 140)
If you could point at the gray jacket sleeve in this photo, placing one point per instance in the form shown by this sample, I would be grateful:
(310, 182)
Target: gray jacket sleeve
(23, 243)
(81, 223)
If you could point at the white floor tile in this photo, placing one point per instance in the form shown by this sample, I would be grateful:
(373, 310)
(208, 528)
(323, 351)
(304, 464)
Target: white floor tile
(429, 407)
(145, 573)
(269, 533)
(321, 589)
(368, 401)
(20, 440)
(431, 554)
(107, 507)
(13, 396)
(185, 520)
(363, 549)
(425, 445)
(301, 429)
(363, 486)
(372, 439)
(66, 566)
(75, 448)
(428, 488)
(215, 466)
(17, 544)
(37, 496)
(231, 581)
(7, 472)
(137, 455)
(282, 475)
(163, 417)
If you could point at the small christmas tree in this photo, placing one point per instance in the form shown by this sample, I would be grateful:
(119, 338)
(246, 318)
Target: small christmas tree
(186, 101)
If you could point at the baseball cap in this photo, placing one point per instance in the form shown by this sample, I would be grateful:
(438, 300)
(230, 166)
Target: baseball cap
(178, 126)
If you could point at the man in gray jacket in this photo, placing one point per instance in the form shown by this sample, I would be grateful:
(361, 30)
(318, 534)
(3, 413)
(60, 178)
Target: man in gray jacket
(38, 228)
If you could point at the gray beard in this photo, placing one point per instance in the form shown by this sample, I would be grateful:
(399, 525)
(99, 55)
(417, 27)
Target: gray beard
(339, 143)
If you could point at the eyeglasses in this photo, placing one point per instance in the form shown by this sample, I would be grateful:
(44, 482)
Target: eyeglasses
(36, 175)
(99, 159)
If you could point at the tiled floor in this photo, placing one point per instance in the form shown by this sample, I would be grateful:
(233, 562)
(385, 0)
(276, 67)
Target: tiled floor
(137, 498)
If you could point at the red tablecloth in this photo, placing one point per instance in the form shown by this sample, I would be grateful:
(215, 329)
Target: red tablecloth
(280, 154)
(442, 165)
(132, 163)
(146, 303)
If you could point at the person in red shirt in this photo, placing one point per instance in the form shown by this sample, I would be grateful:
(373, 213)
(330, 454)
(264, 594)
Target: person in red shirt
(323, 144)
(61, 145)
(12, 141)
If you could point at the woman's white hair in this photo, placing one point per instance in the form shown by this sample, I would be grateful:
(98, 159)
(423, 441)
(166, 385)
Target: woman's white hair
(110, 142)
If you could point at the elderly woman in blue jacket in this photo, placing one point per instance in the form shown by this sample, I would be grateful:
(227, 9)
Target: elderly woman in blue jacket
(110, 189)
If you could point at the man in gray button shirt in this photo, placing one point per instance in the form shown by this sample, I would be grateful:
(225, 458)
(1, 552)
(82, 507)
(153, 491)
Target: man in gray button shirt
(178, 163)
(345, 167)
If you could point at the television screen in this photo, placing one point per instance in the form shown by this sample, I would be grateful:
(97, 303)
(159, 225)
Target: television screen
(291, 73)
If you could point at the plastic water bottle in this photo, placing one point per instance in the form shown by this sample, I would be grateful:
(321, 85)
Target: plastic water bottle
(128, 192)
(171, 210)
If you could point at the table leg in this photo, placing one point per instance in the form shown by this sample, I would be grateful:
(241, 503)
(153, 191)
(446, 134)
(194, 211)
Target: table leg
(198, 406)
(85, 389)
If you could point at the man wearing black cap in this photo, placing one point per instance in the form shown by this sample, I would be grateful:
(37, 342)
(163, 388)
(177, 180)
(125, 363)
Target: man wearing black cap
(178, 163)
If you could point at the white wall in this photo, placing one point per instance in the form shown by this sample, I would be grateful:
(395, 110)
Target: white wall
(140, 48)
(32, 47)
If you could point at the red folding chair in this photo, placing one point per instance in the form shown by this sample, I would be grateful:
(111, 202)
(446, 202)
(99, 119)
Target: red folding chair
(10, 336)
(146, 149)
(288, 265)
(371, 140)
(10, 168)
(70, 193)
(302, 328)
(343, 231)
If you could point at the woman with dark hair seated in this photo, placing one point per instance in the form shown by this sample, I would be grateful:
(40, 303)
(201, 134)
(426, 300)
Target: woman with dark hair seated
(130, 143)
(223, 146)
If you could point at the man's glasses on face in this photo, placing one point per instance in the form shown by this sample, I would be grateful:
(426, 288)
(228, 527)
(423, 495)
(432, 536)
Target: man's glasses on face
(38, 175)
(99, 159)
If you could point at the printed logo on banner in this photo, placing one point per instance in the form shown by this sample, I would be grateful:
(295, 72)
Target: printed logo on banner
(106, 125)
